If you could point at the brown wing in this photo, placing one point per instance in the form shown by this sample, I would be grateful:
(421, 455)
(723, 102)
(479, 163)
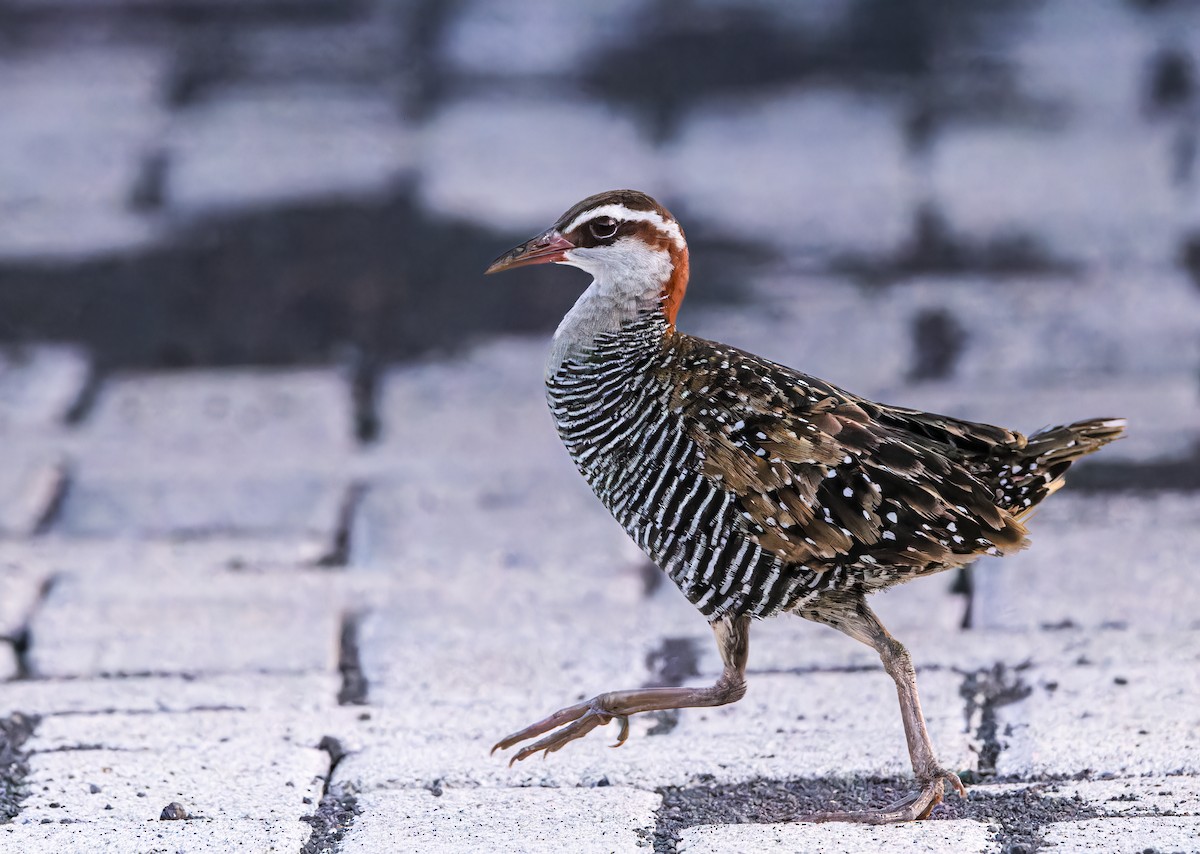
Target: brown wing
(823, 477)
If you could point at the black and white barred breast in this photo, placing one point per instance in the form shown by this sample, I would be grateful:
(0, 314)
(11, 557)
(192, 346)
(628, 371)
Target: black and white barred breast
(617, 416)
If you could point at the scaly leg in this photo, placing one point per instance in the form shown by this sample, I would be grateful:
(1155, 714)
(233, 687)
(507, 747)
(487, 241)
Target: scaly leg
(733, 641)
(858, 621)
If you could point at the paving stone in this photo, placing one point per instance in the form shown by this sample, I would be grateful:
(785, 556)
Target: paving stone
(1136, 795)
(931, 836)
(241, 420)
(480, 161)
(208, 453)
(256, 692)
(1126, 835)
(78, 121)
(1116, 703)
(271, 144)
(1089, 566)
(1094, 61)
(30, 482)
(39, 385)
(590, 821)
(356, 51)
(521, 524)
(49, 555)
(150, 837)
(218, 764)
(20, 589)
(519, 37)
(9, 667)
(805, 171)
(1060, 330)
(486, 408)
(215, 782)
(129, 622)
(1100, 194)
(307, 508)
(1096, 183)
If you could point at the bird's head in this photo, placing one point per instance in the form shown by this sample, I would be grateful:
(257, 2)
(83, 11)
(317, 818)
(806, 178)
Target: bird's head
(624, 238)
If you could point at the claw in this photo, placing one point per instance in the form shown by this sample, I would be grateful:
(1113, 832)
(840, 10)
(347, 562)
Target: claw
(623, 735)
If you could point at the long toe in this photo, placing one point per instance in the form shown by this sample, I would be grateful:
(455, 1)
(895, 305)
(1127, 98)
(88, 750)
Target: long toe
(913, 808)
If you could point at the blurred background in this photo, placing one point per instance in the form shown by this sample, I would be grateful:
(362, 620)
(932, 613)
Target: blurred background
(989, 208)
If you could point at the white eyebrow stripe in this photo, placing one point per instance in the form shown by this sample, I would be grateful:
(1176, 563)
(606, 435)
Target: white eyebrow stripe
(620, 212)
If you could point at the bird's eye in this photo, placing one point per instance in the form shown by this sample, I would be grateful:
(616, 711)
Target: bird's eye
(603, 227)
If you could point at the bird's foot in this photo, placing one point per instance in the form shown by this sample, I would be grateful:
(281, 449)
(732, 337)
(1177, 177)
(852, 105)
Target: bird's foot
(571, 723)
(913, 808)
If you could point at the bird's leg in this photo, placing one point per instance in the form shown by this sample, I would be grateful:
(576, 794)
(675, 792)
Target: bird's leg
(859, 622)
(733, 641)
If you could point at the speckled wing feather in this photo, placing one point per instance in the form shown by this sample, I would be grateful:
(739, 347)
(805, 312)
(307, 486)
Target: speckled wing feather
(825, 479)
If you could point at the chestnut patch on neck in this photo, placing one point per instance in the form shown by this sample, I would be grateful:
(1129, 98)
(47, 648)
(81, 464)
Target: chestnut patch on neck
(674, 288)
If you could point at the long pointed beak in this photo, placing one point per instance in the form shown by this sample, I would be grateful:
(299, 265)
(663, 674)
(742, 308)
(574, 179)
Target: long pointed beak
(546, 248)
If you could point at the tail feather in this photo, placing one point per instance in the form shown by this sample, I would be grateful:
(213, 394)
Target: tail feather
(1038, 469)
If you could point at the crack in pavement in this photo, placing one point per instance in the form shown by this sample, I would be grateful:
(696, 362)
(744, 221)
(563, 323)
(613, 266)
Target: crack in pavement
(364, 379)
(22, 639)
(984, 691)
(15, 730)
(341, 548)
(672, 662)
(61, 480)
(337, 809)
(1020, 816)
(353, 691)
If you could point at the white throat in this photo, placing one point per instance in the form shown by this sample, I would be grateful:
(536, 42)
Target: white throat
(628, 280)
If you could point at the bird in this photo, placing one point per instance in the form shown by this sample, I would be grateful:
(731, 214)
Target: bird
(760, 490)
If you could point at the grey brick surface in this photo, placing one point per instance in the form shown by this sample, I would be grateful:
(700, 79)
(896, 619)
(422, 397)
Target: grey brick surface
(128, 620)
(596, 821)
(9, 668)
(79, 121)
(1175, 795)
(1119, 703)
(773, 170)
(939, 836)
(20, 588)
(240, 420)
(1126, 836)
(1083, 195)
(477, 164)
(31, 479)
(219, 765)
(276, 144)
(494, 39)
(1085, 568)
(38, 386)
(150, 837)
(313, 692)
(305, 507)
